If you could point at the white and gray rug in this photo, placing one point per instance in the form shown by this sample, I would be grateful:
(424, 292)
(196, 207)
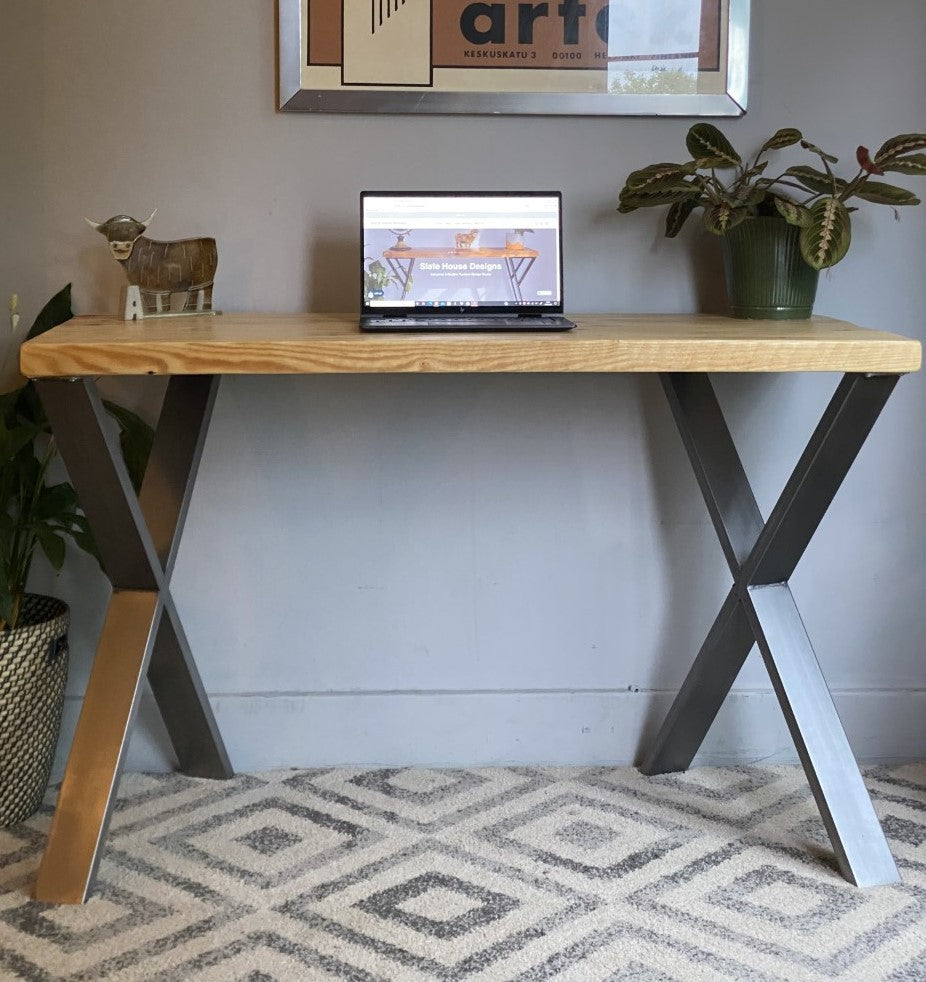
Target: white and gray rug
(516, 874)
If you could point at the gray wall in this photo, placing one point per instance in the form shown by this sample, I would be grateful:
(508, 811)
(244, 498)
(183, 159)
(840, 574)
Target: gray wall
(459, 570)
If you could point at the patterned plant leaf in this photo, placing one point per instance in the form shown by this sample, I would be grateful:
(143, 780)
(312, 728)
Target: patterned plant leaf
(813, 148)
(751, 196)
(710, 148)
(756, 171)
(678, 215)
(631, 199)
(914, 164)
(816, 180)
(886, 194)
(657, 174)
(720, 218)
(783, 138)
(905, 143)
(792, 212)
(826, 239)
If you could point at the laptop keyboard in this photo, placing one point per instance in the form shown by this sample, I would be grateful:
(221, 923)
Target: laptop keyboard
(464, 323)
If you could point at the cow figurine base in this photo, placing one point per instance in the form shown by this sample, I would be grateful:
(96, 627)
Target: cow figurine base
(157, 271)
(134, 308)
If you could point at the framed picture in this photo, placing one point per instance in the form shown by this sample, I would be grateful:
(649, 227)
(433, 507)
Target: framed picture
(556, 57)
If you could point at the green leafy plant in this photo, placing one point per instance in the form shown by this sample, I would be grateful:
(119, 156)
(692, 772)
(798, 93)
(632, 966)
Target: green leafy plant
(36, 515)
(376, 277)
(812, 198)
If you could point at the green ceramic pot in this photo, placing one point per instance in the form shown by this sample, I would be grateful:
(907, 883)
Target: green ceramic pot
(766, 273)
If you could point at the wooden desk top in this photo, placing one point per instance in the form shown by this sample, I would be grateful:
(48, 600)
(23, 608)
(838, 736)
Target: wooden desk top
(279, 344)
(431, 252)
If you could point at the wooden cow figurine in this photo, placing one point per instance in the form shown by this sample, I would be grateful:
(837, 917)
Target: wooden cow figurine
(156, 270)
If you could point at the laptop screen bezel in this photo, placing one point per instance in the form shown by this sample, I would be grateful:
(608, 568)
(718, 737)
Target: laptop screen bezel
(519, 310)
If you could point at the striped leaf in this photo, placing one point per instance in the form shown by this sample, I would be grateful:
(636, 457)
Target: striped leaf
(898, 145)
(815, 180)
(656, 174)
(826, 239)
(678, 215)
(751, 196)
(792, 212)
(813, 148)
(710, 147)
(756, 171)
(914, 164)
(720, 218)
(631, 199)
(880, 193)
(783, 138)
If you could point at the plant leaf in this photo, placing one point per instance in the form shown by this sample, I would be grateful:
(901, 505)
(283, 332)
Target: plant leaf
(678, 215)
(630, 200)
(720, 218)
(55, 502)
(792, 212)
(55, 312)
(755, 171)
(135, 440)
(905, 143)
(826, 239)
(52, 545)
(914, 164)
(813, 148)
(816, 180)
(783, 138)
(710, 148)
(865, 162)
(657, 174)
(886, 194)
(6, 605)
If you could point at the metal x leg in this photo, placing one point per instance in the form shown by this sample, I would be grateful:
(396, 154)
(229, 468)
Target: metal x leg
(138, 540)
(760, 609)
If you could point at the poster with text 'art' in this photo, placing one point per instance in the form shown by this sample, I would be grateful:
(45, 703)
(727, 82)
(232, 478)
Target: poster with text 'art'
(615, 47)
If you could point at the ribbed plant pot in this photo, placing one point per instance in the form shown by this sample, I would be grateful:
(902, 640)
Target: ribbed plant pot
(33, 673)
(766, 273)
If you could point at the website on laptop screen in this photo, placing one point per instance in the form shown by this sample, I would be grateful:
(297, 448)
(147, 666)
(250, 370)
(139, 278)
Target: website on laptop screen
(498, 251)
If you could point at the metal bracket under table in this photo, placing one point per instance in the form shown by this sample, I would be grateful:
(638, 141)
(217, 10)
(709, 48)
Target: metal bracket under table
(137, 538)
(760, 608)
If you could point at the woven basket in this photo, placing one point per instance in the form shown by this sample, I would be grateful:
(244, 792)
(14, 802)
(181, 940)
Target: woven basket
(33, 673)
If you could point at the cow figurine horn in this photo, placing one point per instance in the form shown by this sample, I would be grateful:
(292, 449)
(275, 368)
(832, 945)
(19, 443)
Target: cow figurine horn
(99, 225)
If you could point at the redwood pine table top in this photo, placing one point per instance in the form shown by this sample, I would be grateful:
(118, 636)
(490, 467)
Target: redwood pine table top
(276, 344)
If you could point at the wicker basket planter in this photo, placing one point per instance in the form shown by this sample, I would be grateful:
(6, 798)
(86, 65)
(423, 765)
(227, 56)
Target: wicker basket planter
(33, 673)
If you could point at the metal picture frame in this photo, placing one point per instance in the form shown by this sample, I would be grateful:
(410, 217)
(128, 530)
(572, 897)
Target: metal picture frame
(342, 71)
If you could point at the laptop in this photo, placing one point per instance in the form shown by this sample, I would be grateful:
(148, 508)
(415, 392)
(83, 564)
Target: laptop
(450, 261)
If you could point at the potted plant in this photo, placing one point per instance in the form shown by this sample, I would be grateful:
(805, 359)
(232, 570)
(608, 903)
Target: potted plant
(777, 232)
(515, 238)
(376, 278)
(36, 515)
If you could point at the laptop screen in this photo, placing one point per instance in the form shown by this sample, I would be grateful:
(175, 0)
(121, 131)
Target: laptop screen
(427, 252)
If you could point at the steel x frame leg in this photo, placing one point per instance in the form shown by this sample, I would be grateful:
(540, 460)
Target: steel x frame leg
(138, 539)
(760, 609)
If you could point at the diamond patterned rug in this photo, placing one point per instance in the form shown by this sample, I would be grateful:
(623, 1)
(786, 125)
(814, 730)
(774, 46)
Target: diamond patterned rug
(512, 874)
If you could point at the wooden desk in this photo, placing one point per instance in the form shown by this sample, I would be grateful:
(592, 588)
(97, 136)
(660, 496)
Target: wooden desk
(138, 537)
